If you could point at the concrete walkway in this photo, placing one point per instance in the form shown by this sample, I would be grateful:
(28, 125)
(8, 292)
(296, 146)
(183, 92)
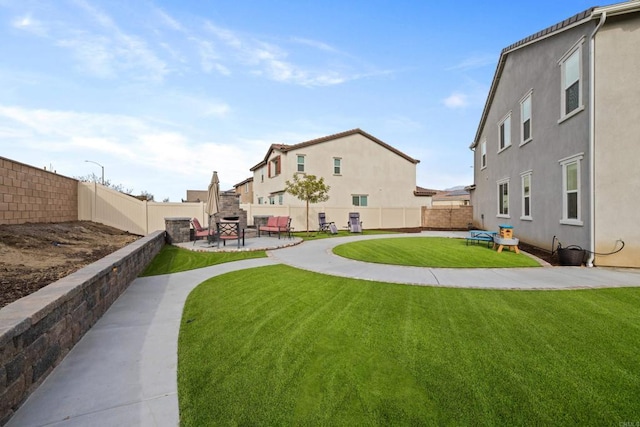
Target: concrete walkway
(123, 371)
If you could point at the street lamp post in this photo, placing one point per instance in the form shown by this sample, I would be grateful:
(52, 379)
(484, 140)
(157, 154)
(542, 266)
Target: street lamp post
(96, 163)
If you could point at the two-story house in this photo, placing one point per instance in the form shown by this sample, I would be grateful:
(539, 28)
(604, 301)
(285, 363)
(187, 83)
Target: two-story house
(363, 173)
(244, 189)
(557, 148)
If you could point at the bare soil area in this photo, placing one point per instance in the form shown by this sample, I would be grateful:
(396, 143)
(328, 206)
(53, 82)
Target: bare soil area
(36, 254)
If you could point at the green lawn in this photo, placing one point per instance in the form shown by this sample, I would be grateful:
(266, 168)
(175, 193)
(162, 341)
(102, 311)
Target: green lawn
(280, 346)
(431, 252)
(173, 259)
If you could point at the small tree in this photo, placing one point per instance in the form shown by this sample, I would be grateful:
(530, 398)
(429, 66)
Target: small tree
(310, 189)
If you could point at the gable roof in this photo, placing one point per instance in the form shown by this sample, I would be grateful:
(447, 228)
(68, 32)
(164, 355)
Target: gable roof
(568, 23)
(286, 148)
(575, 20)
(250, 179)
(421, 191)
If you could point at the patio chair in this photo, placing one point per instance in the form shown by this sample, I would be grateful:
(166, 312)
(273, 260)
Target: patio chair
(354, 225)
(199, 231)
(323, 225)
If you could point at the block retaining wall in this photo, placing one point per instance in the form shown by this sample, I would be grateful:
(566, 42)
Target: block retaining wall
(447, 217)
(29, 194)
(37, 331)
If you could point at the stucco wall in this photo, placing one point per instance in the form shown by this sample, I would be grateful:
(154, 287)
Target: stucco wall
(617, 141)
(29, 194)
(368, 168)
(535, 67)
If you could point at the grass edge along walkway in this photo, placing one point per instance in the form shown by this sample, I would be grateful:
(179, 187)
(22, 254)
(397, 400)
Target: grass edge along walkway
(434, 252)
(173, 259)
(281, 346)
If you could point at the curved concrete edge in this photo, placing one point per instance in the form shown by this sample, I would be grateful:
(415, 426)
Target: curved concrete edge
(123, 370)
(318, 256)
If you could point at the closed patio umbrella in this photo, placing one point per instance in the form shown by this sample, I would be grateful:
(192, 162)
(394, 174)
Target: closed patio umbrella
(213, 198)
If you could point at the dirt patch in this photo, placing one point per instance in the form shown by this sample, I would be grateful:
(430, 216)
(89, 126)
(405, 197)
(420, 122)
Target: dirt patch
(36, 254)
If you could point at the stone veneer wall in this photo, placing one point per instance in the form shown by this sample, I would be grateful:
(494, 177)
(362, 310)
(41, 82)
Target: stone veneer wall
(230, 206)
(29, 194)
(178, 229)
(37, 331)
(447, 217)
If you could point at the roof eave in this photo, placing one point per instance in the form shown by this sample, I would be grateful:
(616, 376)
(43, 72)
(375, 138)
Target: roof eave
(569, 23)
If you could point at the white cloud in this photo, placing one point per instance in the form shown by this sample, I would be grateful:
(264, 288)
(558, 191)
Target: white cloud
(315, 44)
(474, 61)
(456, 100)
(142, 153)
(272, 61)
(27, 23)
(103, 50)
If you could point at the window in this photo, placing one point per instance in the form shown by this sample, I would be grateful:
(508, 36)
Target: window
(300, 163)
(571, 214)
(274, 167)
(504, 128)
(337, 166)
(571, 69)
(246, 187)
(526, 195)
(525, 114)
(483, 154)
(260, 200)
(280, 199)
(272, 200)
(503, 198)
(359, 200)
(262, 175)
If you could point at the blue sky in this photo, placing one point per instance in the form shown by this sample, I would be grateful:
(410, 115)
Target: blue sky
(162, 93)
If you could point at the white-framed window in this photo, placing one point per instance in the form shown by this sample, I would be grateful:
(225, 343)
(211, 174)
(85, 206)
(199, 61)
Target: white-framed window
(300, 161)
(272, 200)
(504, 132)
(246, 187)
(260, 200)
(525, 117)
(503, 198)
(262, 175)
(337, 166)
(525, 178)
(483, 154)
(359, 200)
(571, 195)
(571, 77)
(280, 198)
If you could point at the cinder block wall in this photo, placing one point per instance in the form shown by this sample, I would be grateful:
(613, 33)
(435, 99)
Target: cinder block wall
(29, 194)
(447, 217)
(37, 331)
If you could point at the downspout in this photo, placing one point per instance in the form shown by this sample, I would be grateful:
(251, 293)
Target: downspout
(592, 141)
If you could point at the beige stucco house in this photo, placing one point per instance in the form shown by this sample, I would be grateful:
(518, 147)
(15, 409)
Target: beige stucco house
(361, 170)
(244, 189)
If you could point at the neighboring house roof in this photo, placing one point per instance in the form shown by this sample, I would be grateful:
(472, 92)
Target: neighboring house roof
(243, 182)
(419, 191)
(285, 148)
(577, 19)
(454, 195)
(423, 192)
